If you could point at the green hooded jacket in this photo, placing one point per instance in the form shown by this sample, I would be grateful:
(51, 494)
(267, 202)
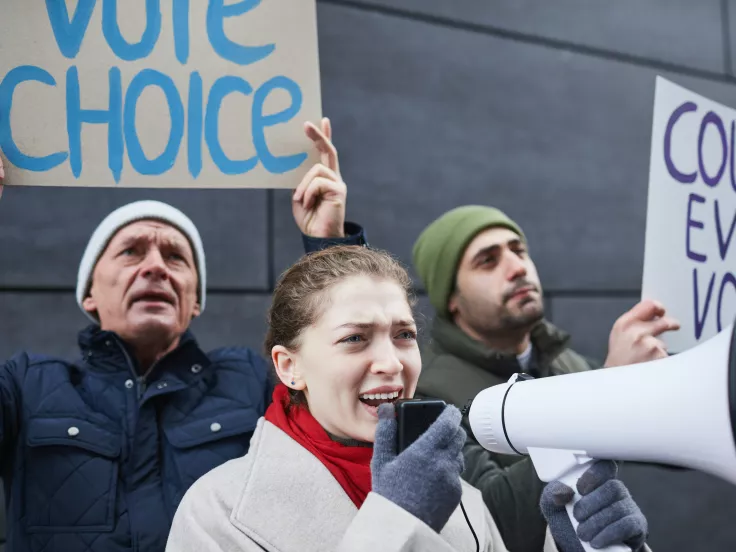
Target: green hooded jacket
(455, 368)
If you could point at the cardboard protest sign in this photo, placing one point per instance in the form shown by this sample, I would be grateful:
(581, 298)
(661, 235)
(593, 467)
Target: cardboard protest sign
(158, 93)
(690, 251)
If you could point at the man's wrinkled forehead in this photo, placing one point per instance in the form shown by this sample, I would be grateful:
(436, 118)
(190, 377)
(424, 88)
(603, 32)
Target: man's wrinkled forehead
(148, 230)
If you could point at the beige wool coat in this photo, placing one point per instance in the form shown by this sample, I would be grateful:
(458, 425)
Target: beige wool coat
(281, 498)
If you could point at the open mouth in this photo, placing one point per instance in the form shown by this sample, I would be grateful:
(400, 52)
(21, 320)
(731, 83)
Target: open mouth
(376, 399)
(153, 297)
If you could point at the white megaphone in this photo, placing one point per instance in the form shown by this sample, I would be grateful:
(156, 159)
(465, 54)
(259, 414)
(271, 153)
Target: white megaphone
(678, 411)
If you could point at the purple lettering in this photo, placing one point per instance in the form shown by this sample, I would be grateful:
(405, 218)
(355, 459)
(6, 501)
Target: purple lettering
(712, 118)
(727, 279)
(700, 321)
(723, 245)
(685, 178)
(733, 177)
(697, 257)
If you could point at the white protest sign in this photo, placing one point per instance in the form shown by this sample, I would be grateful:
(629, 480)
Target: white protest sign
(690, 251)
(158, 93)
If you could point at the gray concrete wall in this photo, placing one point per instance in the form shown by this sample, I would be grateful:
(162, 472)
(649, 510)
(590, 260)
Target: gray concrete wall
(540, 108)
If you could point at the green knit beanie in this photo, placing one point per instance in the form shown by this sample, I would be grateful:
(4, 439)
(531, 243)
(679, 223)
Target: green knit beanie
(440, 247)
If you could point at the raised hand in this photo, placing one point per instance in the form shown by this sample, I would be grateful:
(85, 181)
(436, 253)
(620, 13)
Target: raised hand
(635, 335)
(318, 203)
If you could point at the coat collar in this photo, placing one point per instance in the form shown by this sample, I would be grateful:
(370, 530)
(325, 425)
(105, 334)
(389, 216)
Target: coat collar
(287, 498)
(548, 341)
(283, 485)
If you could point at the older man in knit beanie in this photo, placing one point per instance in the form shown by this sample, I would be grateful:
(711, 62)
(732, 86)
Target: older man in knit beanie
(97, 452)
(475, 264)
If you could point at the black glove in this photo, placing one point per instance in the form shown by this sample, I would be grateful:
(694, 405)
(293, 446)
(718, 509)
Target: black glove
(606, 512)
(424, 479)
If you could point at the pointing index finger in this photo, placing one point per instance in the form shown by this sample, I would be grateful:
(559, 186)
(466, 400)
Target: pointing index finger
(324, 146)
(327, 128)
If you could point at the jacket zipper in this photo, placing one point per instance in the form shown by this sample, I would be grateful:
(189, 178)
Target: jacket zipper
(140, 380)
(141, 383)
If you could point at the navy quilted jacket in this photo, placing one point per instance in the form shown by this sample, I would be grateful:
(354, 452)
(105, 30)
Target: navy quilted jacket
(95, 459)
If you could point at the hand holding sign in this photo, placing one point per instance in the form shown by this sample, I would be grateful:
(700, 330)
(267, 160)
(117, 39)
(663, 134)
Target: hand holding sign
(318, 203)
(634, 337)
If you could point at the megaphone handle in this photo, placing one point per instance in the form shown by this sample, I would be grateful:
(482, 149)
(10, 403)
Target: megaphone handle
(571, 480)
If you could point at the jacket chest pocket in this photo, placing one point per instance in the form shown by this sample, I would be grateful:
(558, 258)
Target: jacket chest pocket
(71, 476)
(198, 446)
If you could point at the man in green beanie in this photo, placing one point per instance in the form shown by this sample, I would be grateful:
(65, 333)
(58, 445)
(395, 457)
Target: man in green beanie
(475, 265)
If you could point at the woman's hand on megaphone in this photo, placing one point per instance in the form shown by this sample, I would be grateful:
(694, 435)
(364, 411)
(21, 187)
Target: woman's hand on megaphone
(606, 513)
(634, 337)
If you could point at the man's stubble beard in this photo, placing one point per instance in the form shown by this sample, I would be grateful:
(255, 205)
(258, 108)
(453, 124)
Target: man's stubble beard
(503, 323)
(522, 322)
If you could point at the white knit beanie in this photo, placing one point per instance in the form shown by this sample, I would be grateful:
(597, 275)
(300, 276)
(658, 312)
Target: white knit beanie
(123, 216)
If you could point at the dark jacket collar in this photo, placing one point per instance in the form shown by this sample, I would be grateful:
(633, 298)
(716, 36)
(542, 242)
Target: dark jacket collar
(105, 350)
(548, 341)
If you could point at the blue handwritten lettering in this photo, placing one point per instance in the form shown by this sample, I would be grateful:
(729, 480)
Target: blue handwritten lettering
(222, 87)
(274, 164)
(199, 118)
(76, 116)
(16, 76)
(121, 47)
(217, 12)
(164, 162)
(69, 34)
(181, 30)
(194, 129)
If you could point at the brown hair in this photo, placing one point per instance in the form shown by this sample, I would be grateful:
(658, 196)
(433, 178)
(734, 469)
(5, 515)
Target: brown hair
(299, 298)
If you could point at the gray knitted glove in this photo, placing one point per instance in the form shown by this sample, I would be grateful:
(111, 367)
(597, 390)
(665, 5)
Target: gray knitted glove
(606, 512)
(424, 479)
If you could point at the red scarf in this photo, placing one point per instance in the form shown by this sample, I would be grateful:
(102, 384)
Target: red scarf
(351, 466)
